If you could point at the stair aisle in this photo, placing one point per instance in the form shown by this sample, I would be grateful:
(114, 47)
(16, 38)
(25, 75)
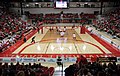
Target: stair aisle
(58, 71)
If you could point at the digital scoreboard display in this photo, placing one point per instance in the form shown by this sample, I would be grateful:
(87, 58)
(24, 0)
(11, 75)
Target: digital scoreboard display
(61, 3)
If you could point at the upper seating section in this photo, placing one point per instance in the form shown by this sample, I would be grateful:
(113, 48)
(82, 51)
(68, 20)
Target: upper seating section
(51, 18)
(110, 23)
(63, 18)
(52, 15)
(34, 16)
(70, 15)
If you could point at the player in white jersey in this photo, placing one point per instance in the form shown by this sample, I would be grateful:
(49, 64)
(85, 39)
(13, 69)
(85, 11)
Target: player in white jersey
(74, 36)
(62, 34)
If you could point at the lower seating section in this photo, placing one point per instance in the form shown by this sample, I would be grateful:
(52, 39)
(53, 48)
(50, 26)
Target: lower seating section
(12, 29)
(83, 68)
(25, 70)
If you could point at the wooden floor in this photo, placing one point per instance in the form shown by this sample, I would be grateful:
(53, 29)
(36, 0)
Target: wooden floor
(51, 36)
(47, 43)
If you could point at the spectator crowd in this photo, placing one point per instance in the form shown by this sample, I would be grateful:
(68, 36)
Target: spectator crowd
(84, 68)
(22, 69)
(12, 28)
(53, 18)
(110, 23)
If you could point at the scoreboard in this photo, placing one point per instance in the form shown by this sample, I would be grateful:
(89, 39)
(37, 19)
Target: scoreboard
(61, 3)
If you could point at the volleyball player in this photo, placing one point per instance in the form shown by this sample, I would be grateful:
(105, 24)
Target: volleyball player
(62, 34)
(74, 36)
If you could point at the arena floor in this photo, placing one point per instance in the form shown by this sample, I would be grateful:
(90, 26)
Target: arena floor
(51, 44)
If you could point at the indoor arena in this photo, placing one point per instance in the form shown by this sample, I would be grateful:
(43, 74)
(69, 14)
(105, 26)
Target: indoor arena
(59, 38)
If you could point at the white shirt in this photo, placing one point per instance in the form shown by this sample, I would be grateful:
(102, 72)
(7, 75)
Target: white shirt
(74, 35)
(60, 29)
(64, 29)
(62, 33)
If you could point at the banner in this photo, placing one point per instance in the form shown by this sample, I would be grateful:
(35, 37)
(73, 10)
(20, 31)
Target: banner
(54, 60)
(42, 59)
(51, 60)
(70, 59)
(28, 60)
(7, 59)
